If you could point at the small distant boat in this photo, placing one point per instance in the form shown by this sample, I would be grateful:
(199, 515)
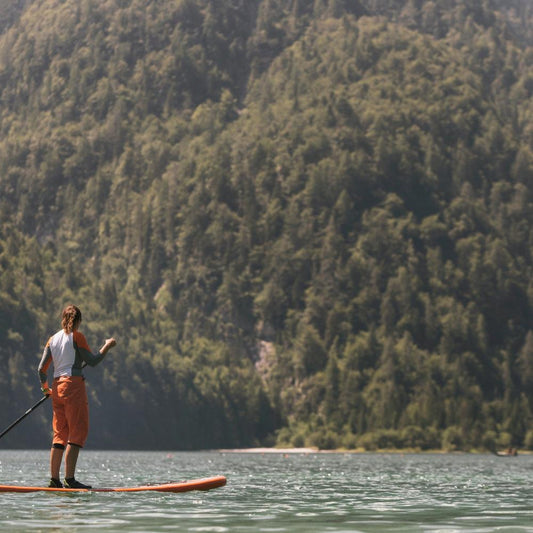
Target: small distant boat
(510, 452)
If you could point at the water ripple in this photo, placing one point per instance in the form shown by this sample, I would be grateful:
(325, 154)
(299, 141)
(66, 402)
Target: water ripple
(313, 493)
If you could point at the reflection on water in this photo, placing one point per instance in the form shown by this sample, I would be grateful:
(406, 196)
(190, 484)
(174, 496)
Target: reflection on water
(278, 492)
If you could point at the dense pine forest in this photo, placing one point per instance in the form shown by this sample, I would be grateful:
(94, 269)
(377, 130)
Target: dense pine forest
(306, 222)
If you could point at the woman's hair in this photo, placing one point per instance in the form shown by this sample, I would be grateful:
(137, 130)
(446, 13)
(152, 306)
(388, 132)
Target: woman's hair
(71, 316)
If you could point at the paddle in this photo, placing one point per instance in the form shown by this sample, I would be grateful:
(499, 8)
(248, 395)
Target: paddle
(23, 416)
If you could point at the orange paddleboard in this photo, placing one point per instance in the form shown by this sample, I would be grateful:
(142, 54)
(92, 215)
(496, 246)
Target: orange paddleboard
(182, 486)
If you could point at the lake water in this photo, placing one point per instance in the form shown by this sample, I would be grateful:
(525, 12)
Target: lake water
(319, 492)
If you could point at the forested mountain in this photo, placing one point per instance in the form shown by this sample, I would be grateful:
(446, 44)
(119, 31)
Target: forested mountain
(306, 222)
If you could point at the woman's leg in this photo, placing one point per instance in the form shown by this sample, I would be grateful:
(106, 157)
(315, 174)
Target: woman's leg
(56, 456)
(71, 458)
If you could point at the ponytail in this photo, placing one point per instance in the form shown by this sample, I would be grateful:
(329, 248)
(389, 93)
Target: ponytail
(71, 317)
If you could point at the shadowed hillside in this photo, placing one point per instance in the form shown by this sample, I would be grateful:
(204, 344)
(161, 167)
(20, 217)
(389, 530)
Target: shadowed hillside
(305, 222)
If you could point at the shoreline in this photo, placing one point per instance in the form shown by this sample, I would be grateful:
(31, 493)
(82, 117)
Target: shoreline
(272, 450)
(312, 450)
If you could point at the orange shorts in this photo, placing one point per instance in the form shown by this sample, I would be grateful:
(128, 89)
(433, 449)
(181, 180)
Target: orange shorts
(71, 411)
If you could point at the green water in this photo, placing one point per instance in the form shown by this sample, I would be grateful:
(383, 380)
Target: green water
(276, 493)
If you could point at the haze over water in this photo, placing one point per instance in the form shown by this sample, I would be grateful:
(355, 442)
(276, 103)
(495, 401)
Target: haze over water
(277, 492)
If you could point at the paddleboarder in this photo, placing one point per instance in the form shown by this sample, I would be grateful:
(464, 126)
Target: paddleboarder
(68, 351)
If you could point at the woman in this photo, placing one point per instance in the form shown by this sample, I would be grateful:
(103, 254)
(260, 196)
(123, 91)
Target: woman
(68, 350)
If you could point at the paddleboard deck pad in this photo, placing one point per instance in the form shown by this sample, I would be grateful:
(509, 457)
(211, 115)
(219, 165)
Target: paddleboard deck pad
(207, 483)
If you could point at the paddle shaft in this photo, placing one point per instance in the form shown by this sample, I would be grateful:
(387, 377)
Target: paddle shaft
(23, 416)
